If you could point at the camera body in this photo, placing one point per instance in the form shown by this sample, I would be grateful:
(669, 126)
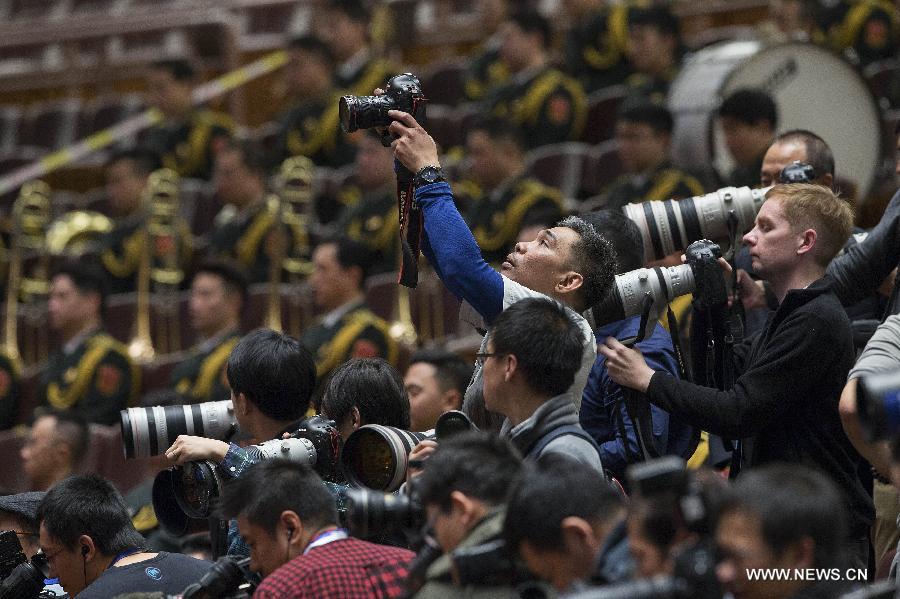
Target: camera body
(402, 92)
(228, 578)
(19, 578)
(797, 172)
(703, 258)
(185, 493)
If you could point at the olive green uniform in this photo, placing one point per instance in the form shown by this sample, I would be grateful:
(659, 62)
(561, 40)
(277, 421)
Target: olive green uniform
(201, 377)
(189, 147)
(246, 238)
(372, 218)
(373, 73)
(496, 218)
(595, 48)
(357, 333)
(665, 182)
(313, 129)
(868, 28)
(485, 74)
(547, 105)
(96, 378)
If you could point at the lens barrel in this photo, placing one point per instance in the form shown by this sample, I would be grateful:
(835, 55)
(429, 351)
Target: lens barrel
(878, 405)
(626, 299)
(669, 226)
(370, 512)
(150, 431)
(376, 456)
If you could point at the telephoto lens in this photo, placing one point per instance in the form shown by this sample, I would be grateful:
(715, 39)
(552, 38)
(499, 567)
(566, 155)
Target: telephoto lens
(147, 432)
(632, 289)
(370, 512)
(376, 456)
(878, 405)
(669, 226)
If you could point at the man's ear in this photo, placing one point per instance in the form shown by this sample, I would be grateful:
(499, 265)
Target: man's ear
(292, 526)
(808, 240)
(578, 534)
(87, 549)
(470, 510)
(355, 418)
(451, 400)
(242, 405)
(800, 554)
(510, 366)
(569, 282)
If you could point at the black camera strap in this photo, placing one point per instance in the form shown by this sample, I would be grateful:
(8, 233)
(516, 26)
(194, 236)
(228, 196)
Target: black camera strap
(411, 223)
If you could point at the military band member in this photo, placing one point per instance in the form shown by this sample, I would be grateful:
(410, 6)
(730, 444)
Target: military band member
(370, 198)
(10, 390)
(218, 296)
(654, 53)
(91, 373)
(348, 329)
(188, 138)
(864, 30)
(311, 127)
(503, 199)
(644, 137)
(244, 228)
(596, 43)
(486, 70)
(548, 106)
(346, 31)
(122, 247)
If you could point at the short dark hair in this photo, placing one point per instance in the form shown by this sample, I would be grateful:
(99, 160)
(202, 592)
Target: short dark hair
(818, 153)
(87, 277)
(271, 487)
(72, 429)
(623, 235)
(659, 17)
(350, 252)
(233, 278)
(498, 129)
(750, 106)
(657, 117)
(545, 340)
(274, 371)
(478, 464)
(555, 488)
(451, 371)
(530, 22)
(88, 505)
(180, 69)
(373, 387)
(594, 258)
(792, 502)
(143, 161)
(314, 46)
(352, 9)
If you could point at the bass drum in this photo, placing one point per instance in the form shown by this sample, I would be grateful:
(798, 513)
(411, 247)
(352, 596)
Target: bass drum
(813, 88)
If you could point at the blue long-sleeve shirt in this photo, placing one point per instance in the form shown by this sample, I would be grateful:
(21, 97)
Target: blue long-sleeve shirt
(602, 404)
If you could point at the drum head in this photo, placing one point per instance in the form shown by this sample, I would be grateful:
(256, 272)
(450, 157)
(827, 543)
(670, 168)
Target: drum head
(813, 88)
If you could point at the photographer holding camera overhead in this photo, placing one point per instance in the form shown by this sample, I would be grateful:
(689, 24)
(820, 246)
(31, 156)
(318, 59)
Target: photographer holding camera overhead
(570, 262)
(784, 402)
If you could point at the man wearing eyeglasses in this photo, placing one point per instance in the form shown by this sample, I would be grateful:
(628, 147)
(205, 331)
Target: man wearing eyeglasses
(18, 513)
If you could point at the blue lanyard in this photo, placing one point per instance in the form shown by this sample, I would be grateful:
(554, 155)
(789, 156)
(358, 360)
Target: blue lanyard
(323, 538)
(122, 556)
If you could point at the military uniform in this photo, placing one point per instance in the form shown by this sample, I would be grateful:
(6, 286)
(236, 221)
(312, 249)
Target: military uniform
(497, 218)
(247, 238)
(362, 80)
(10, 390)
(355, 333)
(644, 88)
(868, 28)
(485, 74)
(665, 182)
(189, 147)
(372, 218)
(201, 377)
(95, 378)
(313, 129)
(595, 49)
(550, 107)
(121, 248)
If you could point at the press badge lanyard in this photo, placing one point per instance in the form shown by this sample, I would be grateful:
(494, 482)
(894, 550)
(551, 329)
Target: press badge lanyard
(122, 556)
(323, 538)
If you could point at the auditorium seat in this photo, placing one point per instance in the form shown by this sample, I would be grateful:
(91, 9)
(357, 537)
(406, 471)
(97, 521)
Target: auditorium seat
(601, 169)
(559, 165)
(443, 126)
(603, 106)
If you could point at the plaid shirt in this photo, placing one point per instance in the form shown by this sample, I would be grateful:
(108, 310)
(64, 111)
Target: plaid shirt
(235, 463)
(348, 568)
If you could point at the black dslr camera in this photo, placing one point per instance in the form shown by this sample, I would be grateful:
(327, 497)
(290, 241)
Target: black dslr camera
(402, 92)
(797, 172)
(19, 578)
(703, 258)
(228, 578)
(188, 492)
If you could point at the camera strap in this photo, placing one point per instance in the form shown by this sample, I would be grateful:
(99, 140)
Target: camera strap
(411, 223)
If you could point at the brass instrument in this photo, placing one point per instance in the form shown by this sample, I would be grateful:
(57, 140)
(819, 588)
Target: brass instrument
(159, 268)
(292, 211)
(402, 329)
(73, 233)
(31, 214)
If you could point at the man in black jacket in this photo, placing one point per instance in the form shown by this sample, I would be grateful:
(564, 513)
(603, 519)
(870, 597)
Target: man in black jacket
(784, 403)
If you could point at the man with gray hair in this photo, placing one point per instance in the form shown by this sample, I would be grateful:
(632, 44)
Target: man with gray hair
(570, 262)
